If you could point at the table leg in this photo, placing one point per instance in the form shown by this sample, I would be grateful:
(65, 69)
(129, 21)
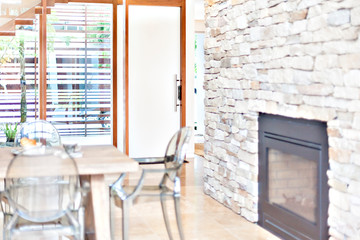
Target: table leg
(97, 213)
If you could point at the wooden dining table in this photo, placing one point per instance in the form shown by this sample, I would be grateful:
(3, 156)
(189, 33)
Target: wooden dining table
(95, 162)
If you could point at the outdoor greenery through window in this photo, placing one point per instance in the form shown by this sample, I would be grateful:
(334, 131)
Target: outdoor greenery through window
(18, 76)
(78, 74)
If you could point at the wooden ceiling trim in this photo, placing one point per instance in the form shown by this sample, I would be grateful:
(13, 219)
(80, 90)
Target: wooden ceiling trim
(61, 1)
(170, 3)
(49, 3)
(27, 17)
(38, 10)
(24, 22)
(92, 1)
(8, 33)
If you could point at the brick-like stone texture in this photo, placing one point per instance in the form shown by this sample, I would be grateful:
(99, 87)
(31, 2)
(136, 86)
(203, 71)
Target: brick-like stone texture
(297, 58)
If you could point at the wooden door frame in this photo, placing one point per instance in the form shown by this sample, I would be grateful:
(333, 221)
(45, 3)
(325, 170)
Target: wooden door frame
(43, 63)
(168, 3)
(114, 119)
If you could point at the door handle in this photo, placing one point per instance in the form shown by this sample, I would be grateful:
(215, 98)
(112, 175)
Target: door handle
(177, 93)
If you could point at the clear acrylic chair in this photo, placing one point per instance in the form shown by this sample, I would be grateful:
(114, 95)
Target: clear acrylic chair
(42, 187)
(168, 187)
(40, 132)
(31, 134)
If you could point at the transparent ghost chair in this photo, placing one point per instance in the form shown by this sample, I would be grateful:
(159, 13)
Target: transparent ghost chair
(42, 186)
(38, 132)
(169, 186)
(31, 134)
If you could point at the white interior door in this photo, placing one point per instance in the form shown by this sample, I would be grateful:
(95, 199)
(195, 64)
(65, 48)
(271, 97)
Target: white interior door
(154, 60)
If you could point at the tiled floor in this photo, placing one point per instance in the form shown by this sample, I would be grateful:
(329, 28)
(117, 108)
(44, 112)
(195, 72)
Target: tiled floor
(203, 218)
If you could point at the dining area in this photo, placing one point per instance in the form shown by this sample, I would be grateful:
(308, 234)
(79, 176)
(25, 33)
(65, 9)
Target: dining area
(53, 187)
(110, 94)
(61, 99)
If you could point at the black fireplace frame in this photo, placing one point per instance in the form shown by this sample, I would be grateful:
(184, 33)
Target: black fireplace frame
(306, 137)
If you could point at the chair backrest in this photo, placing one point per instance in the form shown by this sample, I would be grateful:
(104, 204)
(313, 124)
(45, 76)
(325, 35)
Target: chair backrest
(176, 150)
(40, 132)
(42, 183)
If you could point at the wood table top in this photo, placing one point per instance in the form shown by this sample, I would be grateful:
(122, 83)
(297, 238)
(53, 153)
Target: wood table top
(95, 160)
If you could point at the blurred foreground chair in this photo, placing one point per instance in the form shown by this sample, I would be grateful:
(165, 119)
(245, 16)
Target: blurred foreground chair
(31, 134)
(168, 187)
(39, 132)
(42, 188)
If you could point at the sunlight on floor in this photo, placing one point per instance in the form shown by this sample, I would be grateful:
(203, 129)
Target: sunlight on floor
(203, 217)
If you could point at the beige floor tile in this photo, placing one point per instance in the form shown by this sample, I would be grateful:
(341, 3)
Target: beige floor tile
(203, 218)
(254, 233)
(211, 235)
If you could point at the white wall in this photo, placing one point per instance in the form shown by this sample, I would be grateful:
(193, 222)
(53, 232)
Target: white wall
(199, 10)
(190, 61)
(199, 113)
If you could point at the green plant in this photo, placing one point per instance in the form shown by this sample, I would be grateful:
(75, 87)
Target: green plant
(10, 130)
(14, 50)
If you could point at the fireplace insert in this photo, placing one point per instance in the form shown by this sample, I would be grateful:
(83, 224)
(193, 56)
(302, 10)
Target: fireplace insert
(293, 190)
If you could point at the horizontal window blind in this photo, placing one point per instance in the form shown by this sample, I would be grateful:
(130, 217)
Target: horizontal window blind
(10, 87)
(79, 69)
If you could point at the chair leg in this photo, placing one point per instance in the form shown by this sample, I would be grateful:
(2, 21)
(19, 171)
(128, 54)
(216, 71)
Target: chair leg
(112, 228)
(81, 220)
(166, 218)
(75, 223)
(178, 217)
(9, 226)
(125, 219)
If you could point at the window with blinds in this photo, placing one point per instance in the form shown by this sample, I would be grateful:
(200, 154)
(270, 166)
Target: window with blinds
(79, 51)
(18, 96)
(79, 70)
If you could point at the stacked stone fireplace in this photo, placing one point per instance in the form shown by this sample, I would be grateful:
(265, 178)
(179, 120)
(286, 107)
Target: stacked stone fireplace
(292, 58)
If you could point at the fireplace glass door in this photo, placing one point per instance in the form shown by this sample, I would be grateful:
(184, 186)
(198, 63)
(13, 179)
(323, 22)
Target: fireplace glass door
(292, 183)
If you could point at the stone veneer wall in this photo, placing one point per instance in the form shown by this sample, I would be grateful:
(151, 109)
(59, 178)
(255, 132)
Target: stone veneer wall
(297, 58)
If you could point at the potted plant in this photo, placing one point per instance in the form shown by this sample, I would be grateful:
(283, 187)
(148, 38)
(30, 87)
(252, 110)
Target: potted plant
(10, 132)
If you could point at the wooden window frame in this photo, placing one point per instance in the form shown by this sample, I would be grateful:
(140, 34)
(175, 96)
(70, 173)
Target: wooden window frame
(43, 63)
(115, 3)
